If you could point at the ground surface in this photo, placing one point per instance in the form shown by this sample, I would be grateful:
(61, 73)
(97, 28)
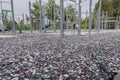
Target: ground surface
(86, 57)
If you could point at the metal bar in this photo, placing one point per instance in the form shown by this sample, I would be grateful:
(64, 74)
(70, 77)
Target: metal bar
(118, 21)
(102, 23)
(86, 19)
(19, 22)
(30, 17)
(13, 18)
(79, 17)
(61, 18)
(90, 16)
(4, 2)
(23, 20)
(66, 15)
(7, 10)
(99, 15)
(54, 18)
(95, 21)
(2, 16)
(40, 27)
(43, 18)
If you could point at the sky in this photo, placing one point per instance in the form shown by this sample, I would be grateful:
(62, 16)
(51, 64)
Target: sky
(21, 6)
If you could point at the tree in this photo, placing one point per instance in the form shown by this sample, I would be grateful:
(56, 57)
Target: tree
(110, 6)
(27, 26)
(116, 6)
(27, 18)
(50, 10)
(70, 12)
(35, 11)
(6, 21)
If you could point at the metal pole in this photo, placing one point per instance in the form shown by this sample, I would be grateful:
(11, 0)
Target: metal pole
(30, 16)
(99, 15)
(86, 19)
(23, 20)
(40, 7)
(54, 18)
(4, 22)
(19, 21)
(79, 17)
(95, 22)
(61, 18)
(118, 21)
(102, 22)
(43, 18)
(116, 27)
(2, 17)
(66, 15)
(90, 16)
(106, 20)
(13, 18)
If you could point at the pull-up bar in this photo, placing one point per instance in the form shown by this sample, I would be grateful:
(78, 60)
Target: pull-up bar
(12, 10)
(6, 10)
(4, 2)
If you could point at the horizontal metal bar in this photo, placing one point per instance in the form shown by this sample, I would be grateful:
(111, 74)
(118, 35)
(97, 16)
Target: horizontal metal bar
(4, 2)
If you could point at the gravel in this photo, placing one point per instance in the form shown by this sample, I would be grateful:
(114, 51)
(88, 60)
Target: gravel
(49, 57)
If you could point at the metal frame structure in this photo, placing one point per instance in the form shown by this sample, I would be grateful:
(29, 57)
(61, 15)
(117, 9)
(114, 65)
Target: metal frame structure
(79, 16)
(12, 10)
(102, 20)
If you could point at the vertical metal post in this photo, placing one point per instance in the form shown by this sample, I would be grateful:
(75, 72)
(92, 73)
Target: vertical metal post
(90, 16)
(118, 21)
(43, 18)
(13, 18)
(5, 23)
(105, 23)
(54, 18)
(108, 25)
(95, 22)
(30, 17)
(23, 20)
(99, 15)
(19, 21)
(102, 22)
(86, 19)
(61, 18)
(40, 7)
(106, 20)
(79, 17)
(2, 17)
(116, 27)
(66, 15)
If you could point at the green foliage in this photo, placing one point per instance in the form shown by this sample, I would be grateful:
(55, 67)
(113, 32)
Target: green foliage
(70, 12)
(84, 23)
(110, 6)
(35, 11)
(116, 6)
(50, 9)
(6, 20)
